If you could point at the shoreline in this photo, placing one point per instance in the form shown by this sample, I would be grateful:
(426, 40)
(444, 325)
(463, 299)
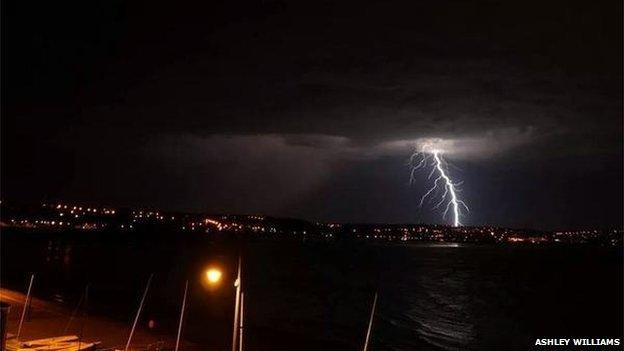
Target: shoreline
(48, 319)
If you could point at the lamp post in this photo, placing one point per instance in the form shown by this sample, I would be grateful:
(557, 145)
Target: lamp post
(212, 277)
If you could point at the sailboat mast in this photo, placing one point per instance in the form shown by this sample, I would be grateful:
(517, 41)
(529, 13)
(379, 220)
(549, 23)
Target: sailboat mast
(238, 284)
(370, 323)
(181, 317)
(136, 318)
(241, 324)
(26, 303)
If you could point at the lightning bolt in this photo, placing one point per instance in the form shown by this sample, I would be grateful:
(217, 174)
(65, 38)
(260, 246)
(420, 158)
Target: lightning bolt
(449, 198)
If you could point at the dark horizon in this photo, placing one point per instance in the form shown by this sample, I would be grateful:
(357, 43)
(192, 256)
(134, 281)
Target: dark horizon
(311, 109)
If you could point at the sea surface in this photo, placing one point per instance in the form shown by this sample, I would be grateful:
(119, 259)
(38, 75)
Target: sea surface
(307, 295)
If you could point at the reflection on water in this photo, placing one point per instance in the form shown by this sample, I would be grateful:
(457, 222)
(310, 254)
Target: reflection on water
(318, 295)
(57, 250)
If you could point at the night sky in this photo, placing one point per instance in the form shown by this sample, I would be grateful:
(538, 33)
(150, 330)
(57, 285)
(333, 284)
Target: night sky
(311, 108)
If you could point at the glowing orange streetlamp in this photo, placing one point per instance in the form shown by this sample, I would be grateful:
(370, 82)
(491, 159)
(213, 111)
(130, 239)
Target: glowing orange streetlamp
(213, 275)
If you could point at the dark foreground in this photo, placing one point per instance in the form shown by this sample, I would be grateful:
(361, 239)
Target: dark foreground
(310, 296)
(47, 319)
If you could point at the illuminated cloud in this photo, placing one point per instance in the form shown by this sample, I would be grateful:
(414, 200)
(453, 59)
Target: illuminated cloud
(298, 163)
(489, 144)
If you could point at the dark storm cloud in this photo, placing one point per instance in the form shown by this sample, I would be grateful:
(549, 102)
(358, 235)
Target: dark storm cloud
(277, 87)
(274, 106)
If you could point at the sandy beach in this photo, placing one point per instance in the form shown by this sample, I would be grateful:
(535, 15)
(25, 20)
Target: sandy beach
(48, 319)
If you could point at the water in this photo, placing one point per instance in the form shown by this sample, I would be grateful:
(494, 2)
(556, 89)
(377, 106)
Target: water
(311, 295)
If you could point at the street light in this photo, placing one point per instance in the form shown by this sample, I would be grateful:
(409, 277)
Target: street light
(213, 276)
